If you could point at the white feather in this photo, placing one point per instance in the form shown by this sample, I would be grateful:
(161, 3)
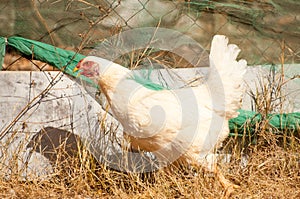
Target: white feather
(188, 121)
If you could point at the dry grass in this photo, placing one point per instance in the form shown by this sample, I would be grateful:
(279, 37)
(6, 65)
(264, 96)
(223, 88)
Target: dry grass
(272, 171)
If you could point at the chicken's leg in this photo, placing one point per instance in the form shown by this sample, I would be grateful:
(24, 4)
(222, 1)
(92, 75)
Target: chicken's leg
(226, 184)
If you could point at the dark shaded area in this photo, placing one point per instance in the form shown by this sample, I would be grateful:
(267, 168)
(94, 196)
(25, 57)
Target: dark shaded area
(63, 148)
(55, 144)
(275, 19)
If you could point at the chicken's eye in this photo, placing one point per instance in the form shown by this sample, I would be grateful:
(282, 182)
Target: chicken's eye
(96, 70)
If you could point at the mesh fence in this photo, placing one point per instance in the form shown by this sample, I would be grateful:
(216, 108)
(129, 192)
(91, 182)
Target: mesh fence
(267, 31)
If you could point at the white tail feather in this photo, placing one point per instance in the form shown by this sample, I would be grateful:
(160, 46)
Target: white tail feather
(226, 75)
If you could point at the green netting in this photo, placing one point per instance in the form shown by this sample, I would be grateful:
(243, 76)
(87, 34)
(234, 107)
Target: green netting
(264, 16)
(257, 26)
(64, 60)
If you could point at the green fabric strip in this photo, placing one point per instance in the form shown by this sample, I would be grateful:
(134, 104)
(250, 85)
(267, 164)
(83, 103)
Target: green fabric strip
(2, 50)
(247, 120)
(64, 60)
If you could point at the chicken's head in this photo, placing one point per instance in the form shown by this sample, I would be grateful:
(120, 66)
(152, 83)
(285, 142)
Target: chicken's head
(87, 67)
(101, 71)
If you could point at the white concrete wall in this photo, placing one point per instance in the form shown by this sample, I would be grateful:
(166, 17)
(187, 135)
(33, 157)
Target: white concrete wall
(66, 106)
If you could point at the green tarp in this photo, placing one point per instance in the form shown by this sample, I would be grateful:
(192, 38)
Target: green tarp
(66, 61)
(2, 50)
(246, 121)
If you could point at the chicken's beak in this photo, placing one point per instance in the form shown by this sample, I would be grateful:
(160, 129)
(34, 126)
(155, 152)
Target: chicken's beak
(76, 70)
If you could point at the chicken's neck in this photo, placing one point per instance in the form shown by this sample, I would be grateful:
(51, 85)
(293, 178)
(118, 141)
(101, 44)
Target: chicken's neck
(111, 80)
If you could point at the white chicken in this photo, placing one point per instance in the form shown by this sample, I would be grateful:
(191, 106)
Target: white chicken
(176, 125)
